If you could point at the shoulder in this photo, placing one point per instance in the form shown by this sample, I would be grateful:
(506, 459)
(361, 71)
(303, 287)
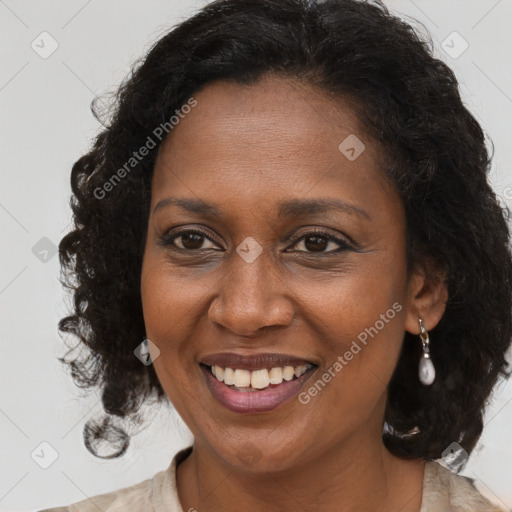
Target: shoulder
(138, 497)
(445, 491)
(152, 495)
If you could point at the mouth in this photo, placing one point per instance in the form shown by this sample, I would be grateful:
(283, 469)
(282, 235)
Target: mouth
(257, 390)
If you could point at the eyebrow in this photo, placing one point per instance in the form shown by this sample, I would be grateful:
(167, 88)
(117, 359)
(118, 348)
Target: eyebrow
(290, 208)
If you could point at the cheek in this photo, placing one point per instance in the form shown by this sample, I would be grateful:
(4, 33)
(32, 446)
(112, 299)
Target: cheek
(366, 333)
(155, 299)
(171, 309)
(360, 320)
(346, 305)
(168, 301)
(162, 312)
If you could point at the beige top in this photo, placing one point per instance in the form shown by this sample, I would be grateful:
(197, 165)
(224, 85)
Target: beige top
(443, 491)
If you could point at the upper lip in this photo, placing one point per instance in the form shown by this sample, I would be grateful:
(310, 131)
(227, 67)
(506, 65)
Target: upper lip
(255, 361)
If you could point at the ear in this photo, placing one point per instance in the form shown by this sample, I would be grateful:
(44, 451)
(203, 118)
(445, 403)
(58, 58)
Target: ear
(427, 294)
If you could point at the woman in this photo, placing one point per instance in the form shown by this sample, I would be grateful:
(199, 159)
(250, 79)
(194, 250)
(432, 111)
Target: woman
(290, 207)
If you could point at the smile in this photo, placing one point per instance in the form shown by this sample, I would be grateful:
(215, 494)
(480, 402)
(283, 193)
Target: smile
(259, 390)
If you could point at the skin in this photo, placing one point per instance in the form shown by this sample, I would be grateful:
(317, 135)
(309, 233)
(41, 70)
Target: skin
(246, 149)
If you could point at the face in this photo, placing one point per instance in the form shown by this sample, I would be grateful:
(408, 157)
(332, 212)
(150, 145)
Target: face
(286, 244)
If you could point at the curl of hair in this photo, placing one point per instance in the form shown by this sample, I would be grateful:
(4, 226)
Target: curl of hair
(434, 153)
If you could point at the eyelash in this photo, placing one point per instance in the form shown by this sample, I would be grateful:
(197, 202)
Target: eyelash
(166, 240)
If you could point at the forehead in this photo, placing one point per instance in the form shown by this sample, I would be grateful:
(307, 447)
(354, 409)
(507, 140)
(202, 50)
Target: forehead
(276, 136)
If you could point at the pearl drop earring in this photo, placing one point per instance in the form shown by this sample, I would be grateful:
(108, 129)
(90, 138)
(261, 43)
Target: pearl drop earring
(427, 372)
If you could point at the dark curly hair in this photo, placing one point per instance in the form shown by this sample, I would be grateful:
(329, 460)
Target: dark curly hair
(434, 153)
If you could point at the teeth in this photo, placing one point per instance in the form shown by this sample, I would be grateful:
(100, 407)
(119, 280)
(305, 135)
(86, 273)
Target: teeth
(288, 372)
(300, 370)
(229, 376)
(218, 372)
(258, 379)
(275, 375)
(242, 378)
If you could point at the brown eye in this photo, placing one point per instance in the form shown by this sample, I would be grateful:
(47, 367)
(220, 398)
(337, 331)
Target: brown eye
(190, 240)
(318, 243)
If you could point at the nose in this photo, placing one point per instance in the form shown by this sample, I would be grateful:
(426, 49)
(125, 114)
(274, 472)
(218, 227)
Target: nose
(251, 297)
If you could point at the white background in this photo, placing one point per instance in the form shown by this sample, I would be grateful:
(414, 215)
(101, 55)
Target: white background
(46, 125)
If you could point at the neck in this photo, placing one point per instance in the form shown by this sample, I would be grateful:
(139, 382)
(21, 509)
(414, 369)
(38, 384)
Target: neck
(358, 474)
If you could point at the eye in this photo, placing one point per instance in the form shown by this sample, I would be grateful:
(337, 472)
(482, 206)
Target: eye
(189, 240)
(319, 241)
(312, 242)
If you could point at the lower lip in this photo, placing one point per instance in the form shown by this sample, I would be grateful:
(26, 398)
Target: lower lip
(254, 401)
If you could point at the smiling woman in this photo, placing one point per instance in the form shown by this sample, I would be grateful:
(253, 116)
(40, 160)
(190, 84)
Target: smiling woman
(313, 255)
